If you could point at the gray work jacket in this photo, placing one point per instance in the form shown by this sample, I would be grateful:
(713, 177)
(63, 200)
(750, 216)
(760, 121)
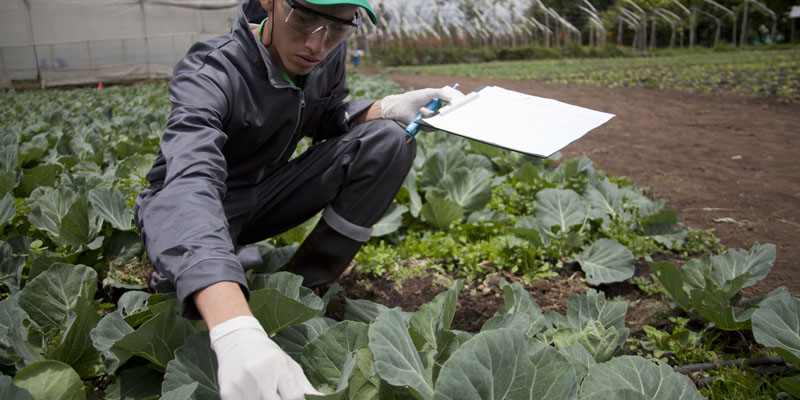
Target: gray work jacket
(234, 119)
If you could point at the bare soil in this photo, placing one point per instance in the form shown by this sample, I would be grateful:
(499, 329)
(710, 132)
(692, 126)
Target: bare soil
(724, 162)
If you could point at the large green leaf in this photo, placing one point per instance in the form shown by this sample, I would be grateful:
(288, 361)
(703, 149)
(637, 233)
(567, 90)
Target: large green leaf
(672, 280)
(532, 230)
(109, 203)
(791, 385)
(137, 165)
(41, 175)
(553, 377)
(579, 358)
(108, 331)
(273, 258)
(517, 300)
(605, 199)
(599, 341)
(8, 181)
(363, 310)
(593, 306)
(49, 207)
(76, 348)
(414, 199)
(358, 381)
(50, 297)
(560, 207)
(712, 304)
(396, 358)
(505, 364)
(391, 221)
(323, 359)
(122, 246)
(18, 347)
(294, 338)
(527, 173)
(133, 306)
(10, 267)
(441, 164)
(193, 362)
(594, 323)
(469, 188)
(755, 262)
(283, 302)
(50, 380)
(441, 212)
(185, 392)
(668, 235)
(633, 377)
(7, 209)
(436, 316)
(157, 339)
(777, 325)
(135, 383)
(33, 149)
(10, 391)
(81, 224)
(9, 160)
(606, 261)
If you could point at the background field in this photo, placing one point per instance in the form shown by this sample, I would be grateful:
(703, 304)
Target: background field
(480, 246)
(724, 161)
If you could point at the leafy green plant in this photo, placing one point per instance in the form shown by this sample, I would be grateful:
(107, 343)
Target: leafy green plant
(709, 287)
(740, 384)
(72, 163)
(680, 344)
(776, 324)
(591, 321)
(481, 209)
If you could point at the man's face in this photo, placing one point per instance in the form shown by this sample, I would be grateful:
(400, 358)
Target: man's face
(295, 52)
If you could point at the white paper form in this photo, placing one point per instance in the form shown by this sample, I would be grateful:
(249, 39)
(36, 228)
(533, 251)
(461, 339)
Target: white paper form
(517, 121)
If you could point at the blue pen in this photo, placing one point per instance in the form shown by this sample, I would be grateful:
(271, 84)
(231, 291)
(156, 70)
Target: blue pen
(413, 128)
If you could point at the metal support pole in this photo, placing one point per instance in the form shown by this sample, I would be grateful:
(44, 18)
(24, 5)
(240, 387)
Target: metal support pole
(653, 32)
(33, 42)
(644, 32)
(742, 38)
(146, 44)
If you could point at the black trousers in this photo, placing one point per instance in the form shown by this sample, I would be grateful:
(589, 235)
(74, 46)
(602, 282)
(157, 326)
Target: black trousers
(353, 177)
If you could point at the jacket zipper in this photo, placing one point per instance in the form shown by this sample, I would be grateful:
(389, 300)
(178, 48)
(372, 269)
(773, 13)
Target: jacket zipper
(302, 105)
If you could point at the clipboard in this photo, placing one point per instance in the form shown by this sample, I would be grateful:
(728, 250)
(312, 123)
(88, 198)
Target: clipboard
(516, 121)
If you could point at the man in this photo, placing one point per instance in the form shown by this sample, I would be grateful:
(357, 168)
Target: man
(223, 179)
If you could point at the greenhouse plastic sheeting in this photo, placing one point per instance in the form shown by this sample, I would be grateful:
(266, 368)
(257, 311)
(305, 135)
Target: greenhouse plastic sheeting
(73, 42)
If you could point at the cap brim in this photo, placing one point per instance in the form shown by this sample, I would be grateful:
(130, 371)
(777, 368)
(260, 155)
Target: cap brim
(360, 3)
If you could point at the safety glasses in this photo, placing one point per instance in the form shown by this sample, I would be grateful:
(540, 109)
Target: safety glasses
(309, 22)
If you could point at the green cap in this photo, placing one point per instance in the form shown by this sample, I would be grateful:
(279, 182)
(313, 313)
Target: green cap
(360, 3)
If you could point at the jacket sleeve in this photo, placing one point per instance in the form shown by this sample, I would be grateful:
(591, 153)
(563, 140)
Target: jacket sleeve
(339, 114)
(186, 229)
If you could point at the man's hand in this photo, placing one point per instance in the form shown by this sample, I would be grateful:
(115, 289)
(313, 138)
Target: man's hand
(405, 107)
(251, 366)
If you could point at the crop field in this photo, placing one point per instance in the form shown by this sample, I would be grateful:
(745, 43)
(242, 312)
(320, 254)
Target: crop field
(764, 73)
(444, 302)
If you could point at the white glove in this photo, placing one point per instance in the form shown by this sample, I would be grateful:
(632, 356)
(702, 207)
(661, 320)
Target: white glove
(251, 366)
(405, 107)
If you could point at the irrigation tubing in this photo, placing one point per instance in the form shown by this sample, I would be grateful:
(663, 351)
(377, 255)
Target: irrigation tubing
(771, 365)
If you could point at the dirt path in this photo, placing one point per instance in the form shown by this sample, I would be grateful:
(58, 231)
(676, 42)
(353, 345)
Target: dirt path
(724, 162)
